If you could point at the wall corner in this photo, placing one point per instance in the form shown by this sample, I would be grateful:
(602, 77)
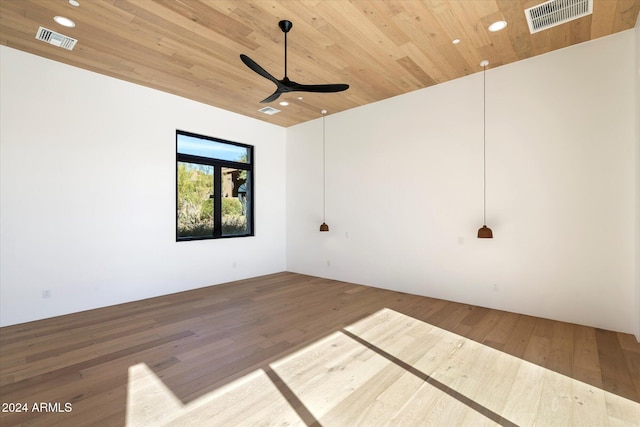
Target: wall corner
(636, 38)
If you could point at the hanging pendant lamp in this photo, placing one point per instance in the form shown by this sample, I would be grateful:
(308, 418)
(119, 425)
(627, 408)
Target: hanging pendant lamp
(323, 226)
(484, 232)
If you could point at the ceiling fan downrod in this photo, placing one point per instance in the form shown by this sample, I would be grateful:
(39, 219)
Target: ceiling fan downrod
(285, 26)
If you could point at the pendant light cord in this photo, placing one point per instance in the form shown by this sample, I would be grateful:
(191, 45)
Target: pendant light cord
(484, 143)
(324, 167)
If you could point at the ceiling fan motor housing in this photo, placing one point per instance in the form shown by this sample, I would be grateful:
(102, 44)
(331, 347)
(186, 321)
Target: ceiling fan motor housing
(285, 25)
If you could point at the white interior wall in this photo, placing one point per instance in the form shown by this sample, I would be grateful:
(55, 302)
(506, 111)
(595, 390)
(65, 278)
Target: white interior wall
(404, 189)
(88, 192)
(637, 138)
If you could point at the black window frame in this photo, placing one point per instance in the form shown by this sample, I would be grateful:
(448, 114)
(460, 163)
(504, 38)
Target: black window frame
(218, 164)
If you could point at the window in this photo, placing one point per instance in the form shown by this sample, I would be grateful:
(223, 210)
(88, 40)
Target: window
(214, 188)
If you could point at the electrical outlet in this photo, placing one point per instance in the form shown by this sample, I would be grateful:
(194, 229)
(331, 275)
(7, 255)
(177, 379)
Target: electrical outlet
(46, 293)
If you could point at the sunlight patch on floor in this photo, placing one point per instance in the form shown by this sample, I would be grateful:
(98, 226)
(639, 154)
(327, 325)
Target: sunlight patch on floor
(387, 369)
(250, 400)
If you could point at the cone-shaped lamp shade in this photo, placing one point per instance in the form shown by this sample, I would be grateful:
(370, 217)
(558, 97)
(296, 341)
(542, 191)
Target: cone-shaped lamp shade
(324, 227)
(485, 233)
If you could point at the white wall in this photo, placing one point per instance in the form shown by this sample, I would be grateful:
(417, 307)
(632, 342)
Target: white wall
(88, 192)
(637, 137)
(404, 189)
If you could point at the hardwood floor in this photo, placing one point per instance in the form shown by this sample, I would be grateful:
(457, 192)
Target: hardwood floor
(289, 349)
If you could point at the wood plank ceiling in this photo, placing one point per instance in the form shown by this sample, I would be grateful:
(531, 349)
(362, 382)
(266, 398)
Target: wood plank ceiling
(380, 48)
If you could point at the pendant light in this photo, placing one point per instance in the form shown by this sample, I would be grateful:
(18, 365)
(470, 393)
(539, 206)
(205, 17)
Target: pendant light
(484, 232)
(324, 226)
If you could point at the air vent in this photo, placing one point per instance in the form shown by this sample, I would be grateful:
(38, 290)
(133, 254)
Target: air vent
(55, 39)
(556, 12)
(269, 110)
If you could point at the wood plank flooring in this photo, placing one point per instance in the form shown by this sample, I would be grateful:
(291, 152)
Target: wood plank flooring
(290, 349)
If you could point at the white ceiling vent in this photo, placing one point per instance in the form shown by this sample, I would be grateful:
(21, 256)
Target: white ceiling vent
(55, 39)
(269, 110)
(556, 12)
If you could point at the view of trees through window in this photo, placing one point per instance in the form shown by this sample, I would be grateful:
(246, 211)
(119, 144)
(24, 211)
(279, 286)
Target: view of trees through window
(234, 201)
(195, 201)
(213, 188)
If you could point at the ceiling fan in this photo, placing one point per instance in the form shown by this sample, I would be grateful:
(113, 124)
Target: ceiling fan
(285, 85)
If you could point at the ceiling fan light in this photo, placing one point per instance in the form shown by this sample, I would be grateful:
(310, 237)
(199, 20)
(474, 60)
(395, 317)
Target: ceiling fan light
(485, 233)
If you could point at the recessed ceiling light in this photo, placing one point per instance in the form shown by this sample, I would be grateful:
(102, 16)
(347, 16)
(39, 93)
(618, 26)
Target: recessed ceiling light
(284, 103)
(497, 26)
(66, 22)
(455, 41)
(74, 3)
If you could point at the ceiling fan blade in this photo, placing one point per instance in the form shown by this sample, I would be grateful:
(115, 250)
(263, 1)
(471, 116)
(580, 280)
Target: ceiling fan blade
(258, 69)
(327, 88)
(275, 95)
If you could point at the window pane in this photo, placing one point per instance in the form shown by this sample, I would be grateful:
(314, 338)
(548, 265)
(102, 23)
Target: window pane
(195, 202)
(235, 201)
(212, 149)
